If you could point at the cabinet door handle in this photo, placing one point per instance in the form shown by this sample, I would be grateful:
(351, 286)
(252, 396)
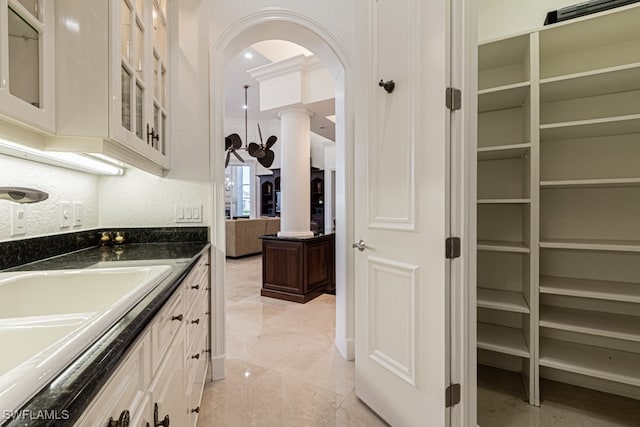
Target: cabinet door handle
(196, 410)
(123, 421)
(197, 321)
(179, 318)
(196, 356)
(195, 287)
(165, 421)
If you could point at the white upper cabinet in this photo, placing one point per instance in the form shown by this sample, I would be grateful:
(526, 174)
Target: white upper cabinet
(27, 63)
(112, 65)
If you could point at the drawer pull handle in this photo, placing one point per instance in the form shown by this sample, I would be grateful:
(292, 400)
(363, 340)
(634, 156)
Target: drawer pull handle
(178, 318)
(206, 351)
(165, 421)
(196, 356)
(207, 313)
(197, 321)
(195, 287)
(123, 421)
(196, 410)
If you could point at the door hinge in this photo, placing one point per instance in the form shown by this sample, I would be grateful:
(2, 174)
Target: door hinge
(454, 99)
(452, 395)
(452, 247)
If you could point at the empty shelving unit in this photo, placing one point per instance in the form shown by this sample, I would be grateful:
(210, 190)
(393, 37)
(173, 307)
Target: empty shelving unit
(507, 199)
(559, 203)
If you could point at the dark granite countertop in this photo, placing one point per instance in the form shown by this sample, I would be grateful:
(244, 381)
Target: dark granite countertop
(73, 389)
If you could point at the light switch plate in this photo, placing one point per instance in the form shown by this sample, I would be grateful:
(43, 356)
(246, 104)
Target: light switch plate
(189, 213)
(18, 220)
(66, 214)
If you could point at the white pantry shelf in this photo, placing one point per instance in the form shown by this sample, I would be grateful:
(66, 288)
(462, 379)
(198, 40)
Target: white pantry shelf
(502, 339)
(591, 183)
(496, 152)
(503, 201)
(606, 126)
(592, 244)
(599, 362)
(597, 289)
(503, 97)
(591, 322)
(502, 246)
(591, 83)
(502, 300)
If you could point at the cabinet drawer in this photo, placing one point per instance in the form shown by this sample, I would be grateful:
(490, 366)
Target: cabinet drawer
(165, 326)
(196, 284)
(197, 321)
(196, 386)
(126, 390)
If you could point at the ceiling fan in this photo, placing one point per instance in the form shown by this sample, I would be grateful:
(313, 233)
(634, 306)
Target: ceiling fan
(262, 152)
(231, 144)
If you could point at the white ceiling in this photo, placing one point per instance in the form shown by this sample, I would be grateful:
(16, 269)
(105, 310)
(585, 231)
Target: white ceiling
(264, 53)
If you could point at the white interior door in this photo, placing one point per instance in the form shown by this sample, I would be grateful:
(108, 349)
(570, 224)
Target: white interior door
(402, 210)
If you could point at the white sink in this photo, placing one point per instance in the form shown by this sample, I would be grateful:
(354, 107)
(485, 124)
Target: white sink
(48, 318)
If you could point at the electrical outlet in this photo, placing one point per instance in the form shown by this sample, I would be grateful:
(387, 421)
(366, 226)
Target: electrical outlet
(66, 214)
(18, 220)
(77, 214)
(189, 213)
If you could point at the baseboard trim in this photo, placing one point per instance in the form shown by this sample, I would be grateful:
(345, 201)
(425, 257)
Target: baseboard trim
(218, 367)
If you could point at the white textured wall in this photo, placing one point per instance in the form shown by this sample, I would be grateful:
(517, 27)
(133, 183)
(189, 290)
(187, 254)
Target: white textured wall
(139, 199)
(499, 18)
(61, 184)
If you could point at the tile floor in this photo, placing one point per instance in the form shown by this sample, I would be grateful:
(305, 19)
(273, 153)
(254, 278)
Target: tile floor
(283, 370)
(282, 366)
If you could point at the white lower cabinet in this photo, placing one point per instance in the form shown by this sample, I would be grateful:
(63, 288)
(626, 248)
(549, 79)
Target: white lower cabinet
(125, 392)
(167, 390)
(160, 381)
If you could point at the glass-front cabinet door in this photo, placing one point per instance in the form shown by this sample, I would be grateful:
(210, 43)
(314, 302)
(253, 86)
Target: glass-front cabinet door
(27, 81)
(160, 61)
(139, 93)
(131, 39)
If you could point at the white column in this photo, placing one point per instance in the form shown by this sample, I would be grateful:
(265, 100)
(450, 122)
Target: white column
(295, 173)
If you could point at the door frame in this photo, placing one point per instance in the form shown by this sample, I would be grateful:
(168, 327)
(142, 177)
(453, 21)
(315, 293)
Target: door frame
(274, 23)
(463, 340)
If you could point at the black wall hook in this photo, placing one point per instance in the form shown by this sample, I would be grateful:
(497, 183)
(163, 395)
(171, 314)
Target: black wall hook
(389, 85)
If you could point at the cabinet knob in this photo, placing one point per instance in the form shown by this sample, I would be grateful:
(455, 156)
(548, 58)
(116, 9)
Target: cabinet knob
(196, 322)
(196, 410)
(195, 287)
(165, 421)
(196, 356)
(179, 317)
(123, 421)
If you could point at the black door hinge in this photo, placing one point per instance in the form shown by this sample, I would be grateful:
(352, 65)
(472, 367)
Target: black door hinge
(452, 395)
(452, 247)
(453, 99)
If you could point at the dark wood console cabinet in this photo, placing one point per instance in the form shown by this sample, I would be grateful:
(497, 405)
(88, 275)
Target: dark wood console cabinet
(298, 270)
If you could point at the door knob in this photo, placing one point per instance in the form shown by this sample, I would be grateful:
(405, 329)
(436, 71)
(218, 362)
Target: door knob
(359, 245)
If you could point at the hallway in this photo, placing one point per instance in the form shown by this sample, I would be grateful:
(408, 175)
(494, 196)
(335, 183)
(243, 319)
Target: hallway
(282, 365)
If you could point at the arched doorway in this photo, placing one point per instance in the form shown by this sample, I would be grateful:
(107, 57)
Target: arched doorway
(297, 28)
